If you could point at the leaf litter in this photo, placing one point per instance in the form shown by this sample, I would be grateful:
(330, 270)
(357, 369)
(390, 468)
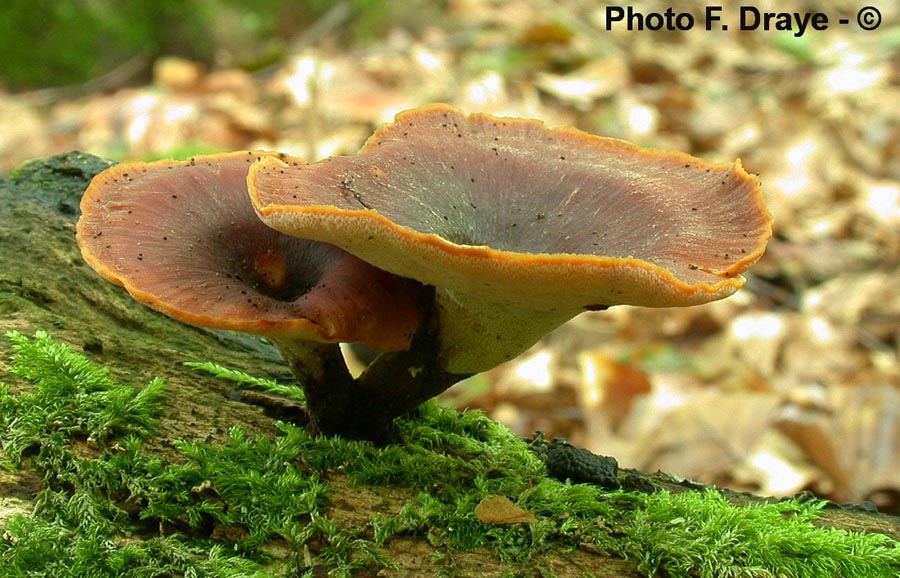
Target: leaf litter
(792, 384)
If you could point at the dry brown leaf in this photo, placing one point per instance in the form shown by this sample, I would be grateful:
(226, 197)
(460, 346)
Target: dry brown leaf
(582, 87)
(867, 424)
(610, 389)
(499, 510)
(23, 134)
(810, 430)
(708, 434)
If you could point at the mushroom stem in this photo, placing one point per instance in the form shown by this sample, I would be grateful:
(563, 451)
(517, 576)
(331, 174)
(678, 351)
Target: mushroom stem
(398, 382)
(395, 383)
(478, 334)
(322, 373)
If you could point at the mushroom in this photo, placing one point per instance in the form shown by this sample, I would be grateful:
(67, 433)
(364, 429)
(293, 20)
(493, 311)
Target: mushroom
(520, 227)
(183, 238)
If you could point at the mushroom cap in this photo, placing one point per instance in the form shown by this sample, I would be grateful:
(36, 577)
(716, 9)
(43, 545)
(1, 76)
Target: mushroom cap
(500, 209)
(183, 238)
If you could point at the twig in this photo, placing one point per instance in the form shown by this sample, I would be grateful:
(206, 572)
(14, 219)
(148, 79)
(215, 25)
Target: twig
(115, 78)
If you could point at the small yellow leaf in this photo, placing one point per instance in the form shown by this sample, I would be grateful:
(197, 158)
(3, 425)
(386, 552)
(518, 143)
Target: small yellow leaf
(500, 510)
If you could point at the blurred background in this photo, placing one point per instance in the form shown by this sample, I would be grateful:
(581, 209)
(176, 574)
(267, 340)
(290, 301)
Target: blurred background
(792, 384)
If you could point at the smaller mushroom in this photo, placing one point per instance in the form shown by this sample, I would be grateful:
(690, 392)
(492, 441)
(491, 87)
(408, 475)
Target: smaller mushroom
(519, 227)
(183, 238)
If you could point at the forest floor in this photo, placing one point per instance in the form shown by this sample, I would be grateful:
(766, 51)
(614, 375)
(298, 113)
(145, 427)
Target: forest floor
(792, 384)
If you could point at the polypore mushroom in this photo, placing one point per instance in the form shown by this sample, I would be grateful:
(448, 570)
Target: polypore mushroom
(520, 227)
(183, 238)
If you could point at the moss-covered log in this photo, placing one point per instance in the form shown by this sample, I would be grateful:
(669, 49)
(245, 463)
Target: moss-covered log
(358, 493)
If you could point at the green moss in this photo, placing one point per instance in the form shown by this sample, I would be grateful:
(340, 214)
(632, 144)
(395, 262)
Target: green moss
(64, 42)
(703, 535)
(71, 398)
(243, 378)
(55, 42)
(107, 508)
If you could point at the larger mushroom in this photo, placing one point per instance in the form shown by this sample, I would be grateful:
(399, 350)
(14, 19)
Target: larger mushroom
(183, 238)
(520, 227)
